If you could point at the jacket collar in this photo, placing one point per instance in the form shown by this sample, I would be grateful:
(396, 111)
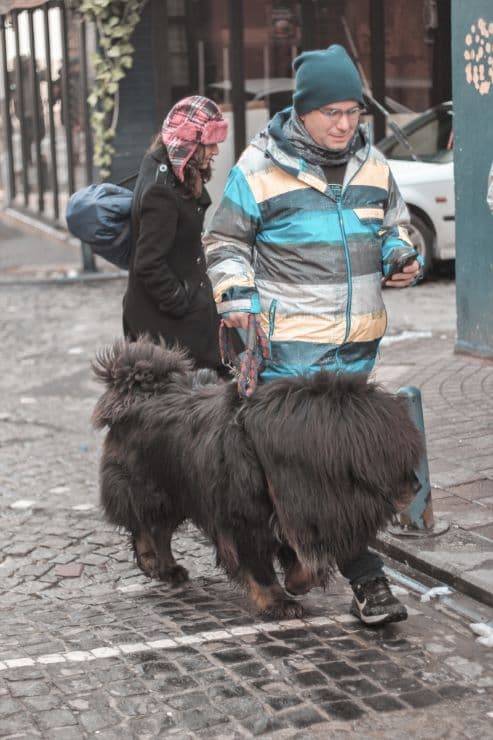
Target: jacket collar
(160, 156)
(272, 141)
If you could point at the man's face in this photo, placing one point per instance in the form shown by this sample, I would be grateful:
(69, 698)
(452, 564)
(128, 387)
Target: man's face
(334, 125)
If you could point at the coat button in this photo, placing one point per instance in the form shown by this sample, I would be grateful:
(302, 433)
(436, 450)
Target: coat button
(202, 284)
(198, 260)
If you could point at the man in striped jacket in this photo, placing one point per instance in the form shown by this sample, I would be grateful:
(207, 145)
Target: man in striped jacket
(310, 223)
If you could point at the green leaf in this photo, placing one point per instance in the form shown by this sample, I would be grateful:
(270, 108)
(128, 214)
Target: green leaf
(117, 74)
(118, 33)
(114, 51)
(116, 21)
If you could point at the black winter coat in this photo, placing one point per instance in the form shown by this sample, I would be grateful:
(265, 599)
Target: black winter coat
(169, 294)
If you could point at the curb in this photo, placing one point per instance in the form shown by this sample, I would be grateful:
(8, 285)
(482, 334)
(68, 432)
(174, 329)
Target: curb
(83, 277)
(387, 545)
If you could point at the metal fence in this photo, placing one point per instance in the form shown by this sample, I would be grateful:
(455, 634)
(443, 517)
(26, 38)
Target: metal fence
(45, 143)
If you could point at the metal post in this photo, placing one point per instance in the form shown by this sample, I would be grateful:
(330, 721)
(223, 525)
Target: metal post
(163, 98)
(19, 99)
(37, 113)
(308, 25)
(84, 105)
(66, 98)
(441, 88)
(87, 255)
(88, 261)
(6, 114)
(236, 64)
(418, 520)
(51, 117)
(377, 36)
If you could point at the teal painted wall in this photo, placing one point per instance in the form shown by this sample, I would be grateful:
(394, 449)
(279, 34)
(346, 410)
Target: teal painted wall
(472, 81)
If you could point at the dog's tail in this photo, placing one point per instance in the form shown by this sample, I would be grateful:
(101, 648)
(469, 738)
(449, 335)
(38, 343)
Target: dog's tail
(339, 455)
(135, 371)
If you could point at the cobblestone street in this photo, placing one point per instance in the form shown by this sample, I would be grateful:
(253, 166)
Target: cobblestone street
(91, 648)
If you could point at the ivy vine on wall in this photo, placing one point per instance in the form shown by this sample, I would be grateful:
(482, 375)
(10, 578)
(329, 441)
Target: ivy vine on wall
(115, 21)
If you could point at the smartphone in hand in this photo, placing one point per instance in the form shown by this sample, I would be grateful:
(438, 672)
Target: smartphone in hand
(399, 266)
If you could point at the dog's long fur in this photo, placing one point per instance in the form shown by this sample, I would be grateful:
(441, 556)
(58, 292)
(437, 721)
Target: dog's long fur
(307, 470)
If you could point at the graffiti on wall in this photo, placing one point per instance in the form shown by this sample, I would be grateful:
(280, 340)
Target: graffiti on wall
(478, 54)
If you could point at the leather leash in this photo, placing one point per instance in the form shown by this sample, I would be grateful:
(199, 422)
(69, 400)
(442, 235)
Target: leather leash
(247, 367)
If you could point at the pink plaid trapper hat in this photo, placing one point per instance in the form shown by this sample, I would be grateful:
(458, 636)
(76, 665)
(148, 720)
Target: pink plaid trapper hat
(192, 121)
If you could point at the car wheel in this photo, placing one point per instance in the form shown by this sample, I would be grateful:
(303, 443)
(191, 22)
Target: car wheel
(422, 239)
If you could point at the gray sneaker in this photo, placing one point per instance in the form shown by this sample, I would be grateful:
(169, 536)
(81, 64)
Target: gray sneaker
(374, 603)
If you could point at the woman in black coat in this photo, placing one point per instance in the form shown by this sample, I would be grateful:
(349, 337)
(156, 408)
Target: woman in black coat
(169, 295)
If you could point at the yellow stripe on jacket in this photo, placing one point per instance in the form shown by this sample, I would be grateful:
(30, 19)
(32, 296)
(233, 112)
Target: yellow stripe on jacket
(324, 328)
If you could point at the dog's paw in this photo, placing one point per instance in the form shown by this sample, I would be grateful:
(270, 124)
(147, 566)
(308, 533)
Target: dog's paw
(298, 585)
(299, 579)
(175, 575)
(148, 564)
(298, 589)
(283, 609)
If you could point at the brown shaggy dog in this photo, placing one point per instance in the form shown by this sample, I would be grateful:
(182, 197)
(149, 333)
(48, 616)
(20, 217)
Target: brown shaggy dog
(304, 471)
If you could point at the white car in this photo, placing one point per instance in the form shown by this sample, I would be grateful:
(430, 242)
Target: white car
(423, 168)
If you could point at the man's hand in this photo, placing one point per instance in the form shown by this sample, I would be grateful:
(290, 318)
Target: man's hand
(404, 278)
(236, 320)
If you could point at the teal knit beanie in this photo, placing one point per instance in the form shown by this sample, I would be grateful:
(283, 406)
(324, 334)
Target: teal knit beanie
(325, 76)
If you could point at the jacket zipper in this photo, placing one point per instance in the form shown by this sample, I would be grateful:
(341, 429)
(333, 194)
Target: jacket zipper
(349, 272)
(347, 258)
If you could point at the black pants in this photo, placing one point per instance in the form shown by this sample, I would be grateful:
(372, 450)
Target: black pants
(364, 567)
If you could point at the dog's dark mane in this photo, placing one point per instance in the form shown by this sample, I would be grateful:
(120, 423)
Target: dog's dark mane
(345, 443)
(329, 458)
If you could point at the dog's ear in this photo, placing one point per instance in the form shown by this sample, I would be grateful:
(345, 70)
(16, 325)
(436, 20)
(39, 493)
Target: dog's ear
(108, 410)
(133, 371)
(141, 365)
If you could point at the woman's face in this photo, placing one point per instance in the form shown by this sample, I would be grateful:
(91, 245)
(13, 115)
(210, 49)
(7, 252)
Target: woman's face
(205, 157)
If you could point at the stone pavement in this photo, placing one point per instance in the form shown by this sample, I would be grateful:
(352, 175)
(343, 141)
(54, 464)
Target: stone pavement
(89, 647)
(457, 394)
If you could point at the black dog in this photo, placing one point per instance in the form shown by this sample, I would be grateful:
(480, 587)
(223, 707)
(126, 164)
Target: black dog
(305, 471)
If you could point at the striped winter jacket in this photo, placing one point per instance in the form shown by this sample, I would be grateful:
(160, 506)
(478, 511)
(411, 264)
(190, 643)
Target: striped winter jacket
(306, 256)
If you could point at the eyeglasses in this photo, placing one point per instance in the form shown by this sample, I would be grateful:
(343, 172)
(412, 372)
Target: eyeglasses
(335, 114)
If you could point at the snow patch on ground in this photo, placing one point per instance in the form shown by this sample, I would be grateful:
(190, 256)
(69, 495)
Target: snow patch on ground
(404, 336)
(485, 632)
(433, 592)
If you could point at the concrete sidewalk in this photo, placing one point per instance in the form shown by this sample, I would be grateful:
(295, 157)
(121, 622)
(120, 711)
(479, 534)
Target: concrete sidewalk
(457, 392)
(33, 252)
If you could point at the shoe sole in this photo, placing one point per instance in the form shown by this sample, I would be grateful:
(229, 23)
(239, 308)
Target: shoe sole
(398, 616)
